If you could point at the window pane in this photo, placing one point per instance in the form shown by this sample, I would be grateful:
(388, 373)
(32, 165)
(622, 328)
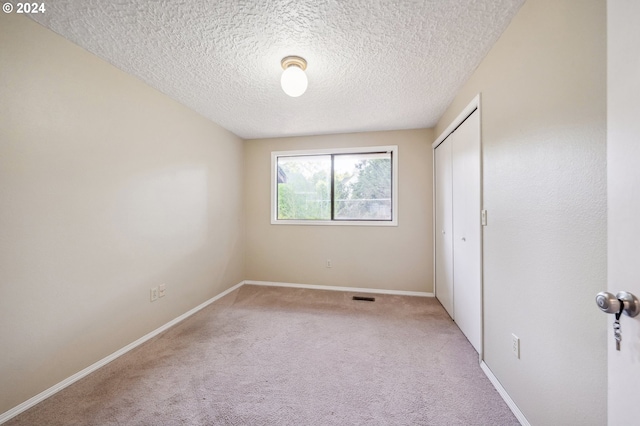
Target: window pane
(362, 185)
(304, 187)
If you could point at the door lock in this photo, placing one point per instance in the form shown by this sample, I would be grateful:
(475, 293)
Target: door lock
(623, 302)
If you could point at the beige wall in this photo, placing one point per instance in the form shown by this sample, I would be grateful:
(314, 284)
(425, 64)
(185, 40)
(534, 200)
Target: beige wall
(397, 258)
(107, 188)
(543, 133)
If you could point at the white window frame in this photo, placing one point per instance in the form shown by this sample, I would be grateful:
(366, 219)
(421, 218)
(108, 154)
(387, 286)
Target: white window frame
(328, 151)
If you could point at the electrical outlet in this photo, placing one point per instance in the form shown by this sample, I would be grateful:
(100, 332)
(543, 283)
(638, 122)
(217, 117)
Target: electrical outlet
(515, 345)
(154, 294)
(162, 290)
(328, 263)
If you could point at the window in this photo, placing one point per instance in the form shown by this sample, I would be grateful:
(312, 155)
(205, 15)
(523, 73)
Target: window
(348, 186)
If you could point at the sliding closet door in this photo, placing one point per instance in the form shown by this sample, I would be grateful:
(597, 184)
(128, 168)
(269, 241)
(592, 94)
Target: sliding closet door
(467, 228)
(443, 226)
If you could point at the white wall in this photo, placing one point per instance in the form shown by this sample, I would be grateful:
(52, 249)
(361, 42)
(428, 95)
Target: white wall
(107, 188)
(543, 132)
(396, 258)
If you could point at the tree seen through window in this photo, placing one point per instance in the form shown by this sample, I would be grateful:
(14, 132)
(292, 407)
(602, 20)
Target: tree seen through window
(362, 187)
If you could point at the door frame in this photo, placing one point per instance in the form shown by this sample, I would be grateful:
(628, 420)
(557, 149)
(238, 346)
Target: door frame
(475, 104)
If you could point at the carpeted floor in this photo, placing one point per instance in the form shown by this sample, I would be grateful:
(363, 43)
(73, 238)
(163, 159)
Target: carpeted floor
(283, 356)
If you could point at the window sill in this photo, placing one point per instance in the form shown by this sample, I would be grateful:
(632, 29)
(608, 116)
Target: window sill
(336, 222)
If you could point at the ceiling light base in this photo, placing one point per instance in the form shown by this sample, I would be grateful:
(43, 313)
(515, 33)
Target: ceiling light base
(294, 60)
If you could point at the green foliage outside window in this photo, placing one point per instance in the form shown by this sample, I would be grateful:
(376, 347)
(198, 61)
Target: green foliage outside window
(365, 193)
(306, 194)
(362, 187)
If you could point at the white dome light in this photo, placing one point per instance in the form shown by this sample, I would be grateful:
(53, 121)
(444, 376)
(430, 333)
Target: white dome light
(294, 80)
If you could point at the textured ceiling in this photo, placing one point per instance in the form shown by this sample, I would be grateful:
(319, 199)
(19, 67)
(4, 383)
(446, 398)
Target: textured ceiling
(372, 64)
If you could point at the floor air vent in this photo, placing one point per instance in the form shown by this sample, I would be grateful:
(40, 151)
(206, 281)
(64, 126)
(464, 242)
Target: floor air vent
(364, 299)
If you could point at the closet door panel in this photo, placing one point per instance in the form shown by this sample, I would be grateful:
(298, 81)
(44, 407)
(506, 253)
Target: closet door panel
(443, 227)
(467, 228)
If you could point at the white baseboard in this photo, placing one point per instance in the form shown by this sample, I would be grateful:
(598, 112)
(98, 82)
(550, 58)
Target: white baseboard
(503, 393)
(334, 288)
(93, 367)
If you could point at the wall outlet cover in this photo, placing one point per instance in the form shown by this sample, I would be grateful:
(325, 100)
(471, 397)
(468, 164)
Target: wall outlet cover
(515, 346)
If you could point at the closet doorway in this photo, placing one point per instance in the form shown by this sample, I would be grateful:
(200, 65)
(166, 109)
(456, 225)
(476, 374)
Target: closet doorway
(458, 223)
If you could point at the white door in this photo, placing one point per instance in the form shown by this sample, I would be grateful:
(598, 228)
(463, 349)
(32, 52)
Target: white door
(467, 282)
(443, 228)
(623, 188)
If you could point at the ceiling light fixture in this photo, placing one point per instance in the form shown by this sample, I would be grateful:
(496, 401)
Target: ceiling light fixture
(294, 80)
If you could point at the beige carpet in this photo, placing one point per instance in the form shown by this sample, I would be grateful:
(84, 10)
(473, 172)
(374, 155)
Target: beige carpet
(281, 356)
